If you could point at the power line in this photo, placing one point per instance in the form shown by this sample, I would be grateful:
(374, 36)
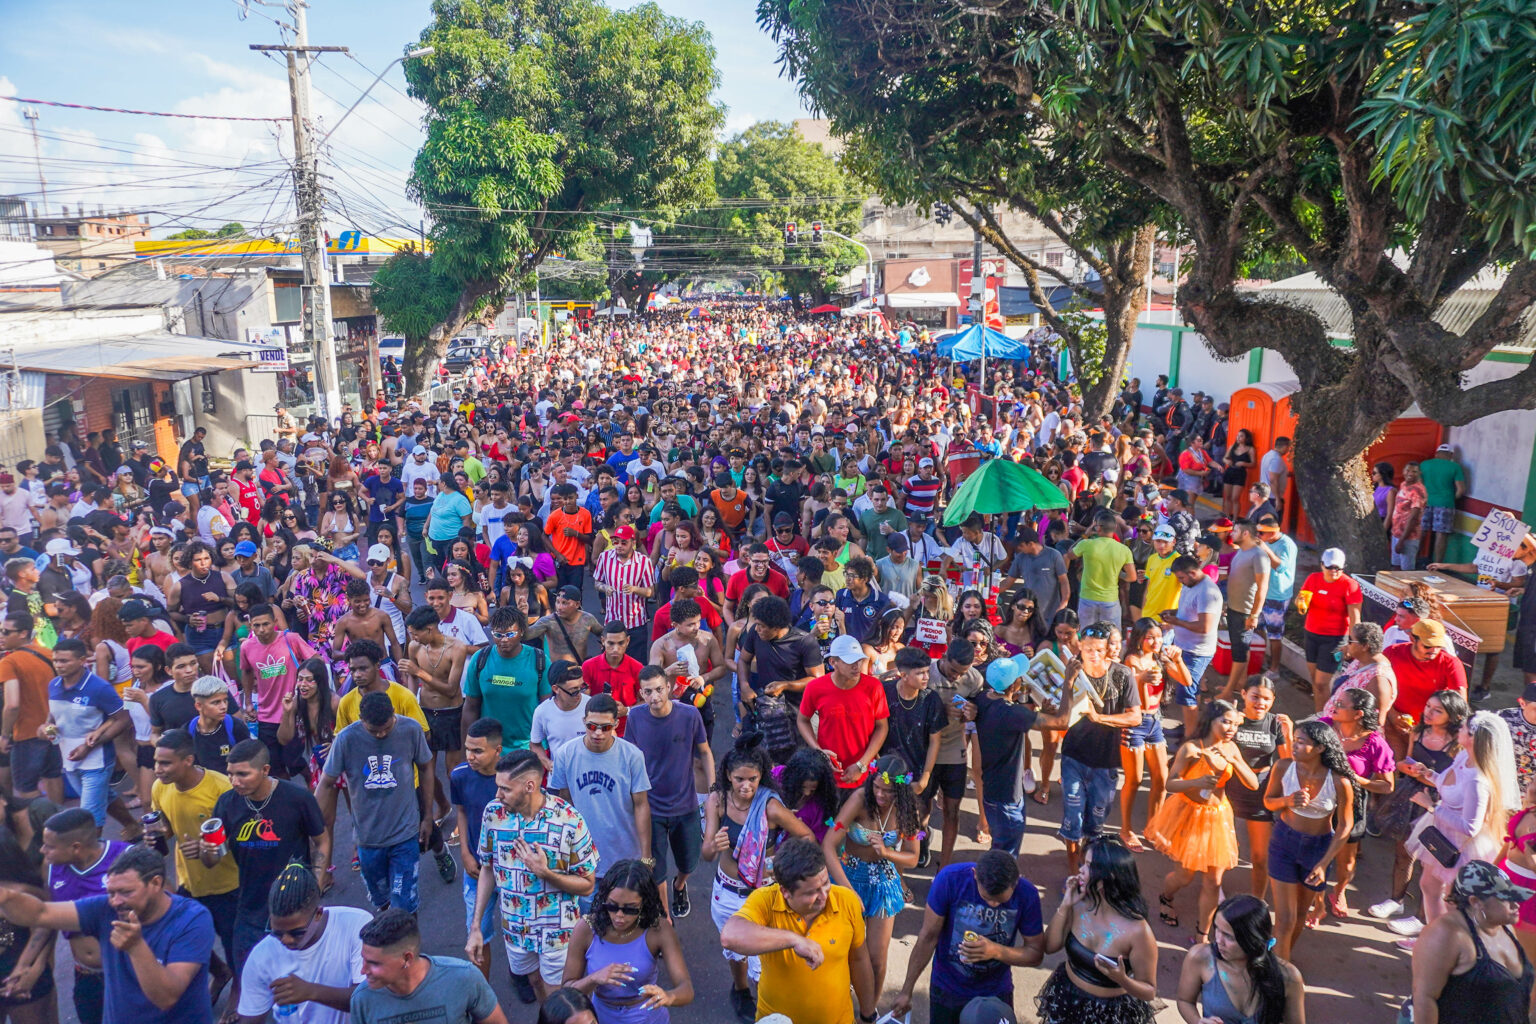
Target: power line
(142, 113)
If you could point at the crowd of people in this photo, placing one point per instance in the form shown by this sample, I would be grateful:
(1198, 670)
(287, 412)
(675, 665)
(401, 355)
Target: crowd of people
(688, 602)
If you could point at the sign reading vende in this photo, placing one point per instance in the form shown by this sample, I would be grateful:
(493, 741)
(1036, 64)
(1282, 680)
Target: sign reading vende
(273, 356)
(1500, 534)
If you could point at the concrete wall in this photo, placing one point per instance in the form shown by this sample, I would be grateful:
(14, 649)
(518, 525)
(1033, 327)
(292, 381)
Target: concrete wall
(1497, 449)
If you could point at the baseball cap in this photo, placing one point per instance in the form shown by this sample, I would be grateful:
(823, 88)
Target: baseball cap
(1431, 633)
(570, 593)
(379, 553)
(987, 1010)
(1481, 879)
(420, 449)
(60, 546)
(1445, 448)
(244, 464)
(1269, 526)
(139, 446)
(897, 542)
(924, 462)
(245, 549)
(1529, 694)
(783, 519)
(132, 611)
(624, 533)
(1333, 558)
(1002, 673)
(1164, 533)
(847, 650)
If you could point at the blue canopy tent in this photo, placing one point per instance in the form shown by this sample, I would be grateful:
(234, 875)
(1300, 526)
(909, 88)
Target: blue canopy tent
(979, 342)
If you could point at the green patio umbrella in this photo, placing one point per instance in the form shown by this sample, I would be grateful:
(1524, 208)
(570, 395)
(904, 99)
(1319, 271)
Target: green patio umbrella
(1002, 486)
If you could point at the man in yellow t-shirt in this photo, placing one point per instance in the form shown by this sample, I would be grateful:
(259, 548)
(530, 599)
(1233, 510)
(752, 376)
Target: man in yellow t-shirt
(809, 937)
(184, 793)
(1162, 586)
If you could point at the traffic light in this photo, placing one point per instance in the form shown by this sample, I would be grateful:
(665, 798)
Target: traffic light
(815, 232)
(791, 233)
(942, 212)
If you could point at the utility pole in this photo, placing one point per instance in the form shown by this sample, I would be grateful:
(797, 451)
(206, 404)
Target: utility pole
(316, 293)
(30, 113)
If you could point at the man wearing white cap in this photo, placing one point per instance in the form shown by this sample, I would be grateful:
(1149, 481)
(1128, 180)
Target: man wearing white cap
(1330, 600)
(1162, 593)
(854, 717)
(420, 467)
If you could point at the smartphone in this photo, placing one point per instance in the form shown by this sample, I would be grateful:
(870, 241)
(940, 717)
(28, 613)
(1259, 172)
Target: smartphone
(1105, 963)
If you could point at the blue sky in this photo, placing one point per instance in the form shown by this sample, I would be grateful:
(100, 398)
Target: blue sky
(192, 56)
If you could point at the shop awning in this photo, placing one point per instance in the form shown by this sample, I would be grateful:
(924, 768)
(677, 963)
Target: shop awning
(157, 356)
(922, 300)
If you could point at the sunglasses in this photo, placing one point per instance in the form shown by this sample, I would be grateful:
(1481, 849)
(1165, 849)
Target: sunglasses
(374, 562)
(600, 727)
(292, 933)
(509, 635)
(630, 909)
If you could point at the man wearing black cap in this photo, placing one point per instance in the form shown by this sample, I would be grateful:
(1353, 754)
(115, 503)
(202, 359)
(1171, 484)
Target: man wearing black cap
(785, 544)
(566, 631)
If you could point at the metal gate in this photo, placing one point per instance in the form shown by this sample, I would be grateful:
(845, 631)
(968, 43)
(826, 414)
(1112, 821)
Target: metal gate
(133, 414)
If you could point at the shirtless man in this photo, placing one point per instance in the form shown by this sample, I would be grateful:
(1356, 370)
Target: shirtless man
(687, 620)
(363, 621)
(390, 592)
(158, 562)
(568, 625)
(433, 668)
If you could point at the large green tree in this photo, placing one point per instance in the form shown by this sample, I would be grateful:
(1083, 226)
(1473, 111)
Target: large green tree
(412, 297)
(541, 114)
(234, 229)
(923, 128)
(769, 176)
(1387, 146)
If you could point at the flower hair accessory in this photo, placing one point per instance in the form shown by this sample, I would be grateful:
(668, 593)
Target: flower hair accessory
(896, 780)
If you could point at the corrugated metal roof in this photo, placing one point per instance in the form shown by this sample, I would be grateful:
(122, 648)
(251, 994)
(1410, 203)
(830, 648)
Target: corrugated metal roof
(1456, 314)
(155, 356)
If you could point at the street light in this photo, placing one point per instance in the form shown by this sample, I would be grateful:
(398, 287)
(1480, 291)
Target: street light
(424, 51)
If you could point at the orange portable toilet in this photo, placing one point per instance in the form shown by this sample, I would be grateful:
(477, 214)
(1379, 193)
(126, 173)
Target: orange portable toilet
(1406, 439)
(1255, 409)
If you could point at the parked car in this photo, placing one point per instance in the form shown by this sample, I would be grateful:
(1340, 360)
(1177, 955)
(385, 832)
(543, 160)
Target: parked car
(459, 359)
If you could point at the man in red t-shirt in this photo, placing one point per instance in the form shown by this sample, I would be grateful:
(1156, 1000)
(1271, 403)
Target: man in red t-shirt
(248, 495)
(139, 623)
(854, 717)
(1331, 600)
(614, 671)
(1423, 665)
(759, 570)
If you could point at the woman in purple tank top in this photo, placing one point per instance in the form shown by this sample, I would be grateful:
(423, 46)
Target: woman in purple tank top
(615, 951)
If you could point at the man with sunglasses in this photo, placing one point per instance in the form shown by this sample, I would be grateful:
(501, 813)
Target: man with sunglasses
(605, 779)
(537, 854)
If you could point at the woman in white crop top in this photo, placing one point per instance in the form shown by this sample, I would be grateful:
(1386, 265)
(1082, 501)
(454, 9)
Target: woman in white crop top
(1476, 794)
(1312, 798)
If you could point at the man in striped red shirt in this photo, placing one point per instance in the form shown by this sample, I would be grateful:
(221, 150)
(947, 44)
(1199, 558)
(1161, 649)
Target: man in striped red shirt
(626, 579)
(921, 493)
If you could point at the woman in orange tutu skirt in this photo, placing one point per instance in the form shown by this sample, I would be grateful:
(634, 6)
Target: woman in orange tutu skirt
(1194, 827)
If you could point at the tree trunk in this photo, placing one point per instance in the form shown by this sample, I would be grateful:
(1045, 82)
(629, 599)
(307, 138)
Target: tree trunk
(419, 353)
(1333, 482)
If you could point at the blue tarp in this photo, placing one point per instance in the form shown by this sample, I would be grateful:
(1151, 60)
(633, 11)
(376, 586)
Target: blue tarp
(976, 341)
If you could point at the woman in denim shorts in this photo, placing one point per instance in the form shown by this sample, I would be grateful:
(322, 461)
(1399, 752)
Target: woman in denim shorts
(1312, 798)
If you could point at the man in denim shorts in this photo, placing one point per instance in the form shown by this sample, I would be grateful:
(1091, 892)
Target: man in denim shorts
(1090, 752)
(1282, 586)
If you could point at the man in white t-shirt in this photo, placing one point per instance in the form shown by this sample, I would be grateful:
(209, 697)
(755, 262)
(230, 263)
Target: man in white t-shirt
(420, 467)
(562, 718)
(1193, 625)
(310, 959)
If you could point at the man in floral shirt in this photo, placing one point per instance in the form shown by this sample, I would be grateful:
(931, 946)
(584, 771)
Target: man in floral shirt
(538, 855)
(1521, 720)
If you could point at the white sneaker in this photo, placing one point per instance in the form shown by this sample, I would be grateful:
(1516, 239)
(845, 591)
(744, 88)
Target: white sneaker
(1385, 910)
(1030, 785)
(970, 783)
(1409, 926)
(1407, 944)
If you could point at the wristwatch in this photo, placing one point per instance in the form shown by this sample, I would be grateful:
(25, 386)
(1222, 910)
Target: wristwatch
(649, 862)
(870, 1018)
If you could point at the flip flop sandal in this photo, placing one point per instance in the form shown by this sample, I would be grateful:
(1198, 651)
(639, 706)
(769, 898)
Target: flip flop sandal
(1166, 914)
(1042, 796)
(1135, 845)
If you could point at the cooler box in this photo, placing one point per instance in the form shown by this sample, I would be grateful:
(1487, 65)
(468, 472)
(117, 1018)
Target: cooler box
(1462, 604)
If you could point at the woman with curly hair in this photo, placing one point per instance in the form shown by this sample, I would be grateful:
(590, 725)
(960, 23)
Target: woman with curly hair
(1312, 795)
(873, 839)
(738, 817)
(1110, 973)
(614, 951)
(1357, 720)
(808, 786)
